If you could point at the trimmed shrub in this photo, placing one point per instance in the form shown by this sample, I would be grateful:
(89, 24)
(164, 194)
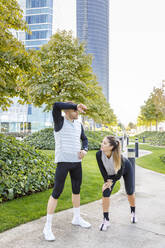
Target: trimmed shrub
(16, 134)
(23, 170)
(44, 139)
(152, 137)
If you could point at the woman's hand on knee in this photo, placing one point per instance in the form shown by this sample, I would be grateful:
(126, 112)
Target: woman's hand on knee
(107, 185)
(104, 187)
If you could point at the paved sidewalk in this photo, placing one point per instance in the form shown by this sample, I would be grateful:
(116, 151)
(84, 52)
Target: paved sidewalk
(149, 232)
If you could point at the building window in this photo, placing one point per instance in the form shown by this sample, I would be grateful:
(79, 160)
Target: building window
(33, 48)
(39, 3)
(36, 3)
(33, 43)
(4, 127)
(29, 127)
(42, 26)
(39, 19)
(39, 11)
(38, 35)
(25, 127)
(29, 109)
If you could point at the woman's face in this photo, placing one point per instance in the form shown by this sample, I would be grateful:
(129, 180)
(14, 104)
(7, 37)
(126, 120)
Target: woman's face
(106, 146)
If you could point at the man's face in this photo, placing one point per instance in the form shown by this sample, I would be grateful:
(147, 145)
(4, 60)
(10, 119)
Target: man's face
(72, 114)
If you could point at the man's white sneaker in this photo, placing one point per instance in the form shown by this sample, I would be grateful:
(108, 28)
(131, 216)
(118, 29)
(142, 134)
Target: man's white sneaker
(49, 236)
(105, 224)
(81, 222)
(133, 218)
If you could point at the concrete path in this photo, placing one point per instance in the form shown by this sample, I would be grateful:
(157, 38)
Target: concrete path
(149, 232)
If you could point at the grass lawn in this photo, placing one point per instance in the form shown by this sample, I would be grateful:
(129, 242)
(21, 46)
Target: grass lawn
(152, 161)
(28, 208)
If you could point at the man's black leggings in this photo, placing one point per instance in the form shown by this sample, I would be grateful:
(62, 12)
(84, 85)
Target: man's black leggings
(62, 170)
(128, 181)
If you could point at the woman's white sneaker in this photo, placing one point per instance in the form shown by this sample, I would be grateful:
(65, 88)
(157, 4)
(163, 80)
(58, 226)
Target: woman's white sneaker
(105, 224)
(80, 222)
(49, 236)
(133, 218)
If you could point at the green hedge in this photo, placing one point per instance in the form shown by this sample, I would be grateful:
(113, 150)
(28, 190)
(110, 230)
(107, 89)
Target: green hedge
(152, 137)
(23, 170)
(44, 139)
(16, 134)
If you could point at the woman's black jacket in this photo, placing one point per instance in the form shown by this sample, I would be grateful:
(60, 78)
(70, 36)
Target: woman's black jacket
(103, 171)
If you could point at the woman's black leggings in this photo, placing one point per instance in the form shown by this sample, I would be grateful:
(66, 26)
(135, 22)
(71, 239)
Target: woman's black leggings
(128, 181)
(62, 170)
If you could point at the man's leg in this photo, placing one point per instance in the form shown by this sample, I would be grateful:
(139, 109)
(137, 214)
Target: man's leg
(76, 179)
(76, 200)
(60, 176)
(52, 203)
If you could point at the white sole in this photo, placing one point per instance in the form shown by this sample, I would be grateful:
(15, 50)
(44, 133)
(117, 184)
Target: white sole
(76, 224)
(50, 240)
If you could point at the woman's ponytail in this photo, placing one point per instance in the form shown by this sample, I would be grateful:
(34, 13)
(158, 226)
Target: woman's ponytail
(116, 152)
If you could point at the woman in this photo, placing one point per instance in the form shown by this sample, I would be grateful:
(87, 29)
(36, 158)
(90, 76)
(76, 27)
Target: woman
(112, 166)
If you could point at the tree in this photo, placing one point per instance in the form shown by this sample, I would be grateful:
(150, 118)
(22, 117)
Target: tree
(131, 125)
(15, 61)
(158, 99)
(121, 126)
(66, 75)
(154, 108)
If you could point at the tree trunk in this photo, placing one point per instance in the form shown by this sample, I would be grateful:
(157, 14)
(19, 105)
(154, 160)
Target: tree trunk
(94, 126)
(156, 125)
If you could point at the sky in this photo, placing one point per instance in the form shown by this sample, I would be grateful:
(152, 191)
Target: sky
(137, 54)
(136, 50)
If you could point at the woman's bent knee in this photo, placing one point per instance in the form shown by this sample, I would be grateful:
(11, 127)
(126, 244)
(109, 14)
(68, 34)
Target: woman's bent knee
(106, 192)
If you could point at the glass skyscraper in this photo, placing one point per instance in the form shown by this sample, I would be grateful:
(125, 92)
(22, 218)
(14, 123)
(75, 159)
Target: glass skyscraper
(93, 28)
(39, 16)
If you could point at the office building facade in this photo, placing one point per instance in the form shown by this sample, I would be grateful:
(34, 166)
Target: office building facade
(39, 16)
(93, 28)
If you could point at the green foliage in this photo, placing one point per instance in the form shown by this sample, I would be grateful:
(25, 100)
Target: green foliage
(16, 64)
(152, 137)
(95, 138)
(44, 139)
(23, 170)
(11, 16)
(16, 134)
(154, 108)
(66, 75)
(131, 125)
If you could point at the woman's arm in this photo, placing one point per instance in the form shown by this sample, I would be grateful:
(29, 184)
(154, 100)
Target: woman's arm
(101, 166)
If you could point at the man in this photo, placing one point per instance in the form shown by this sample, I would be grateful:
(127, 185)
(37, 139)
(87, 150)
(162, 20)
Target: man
(68, 155)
